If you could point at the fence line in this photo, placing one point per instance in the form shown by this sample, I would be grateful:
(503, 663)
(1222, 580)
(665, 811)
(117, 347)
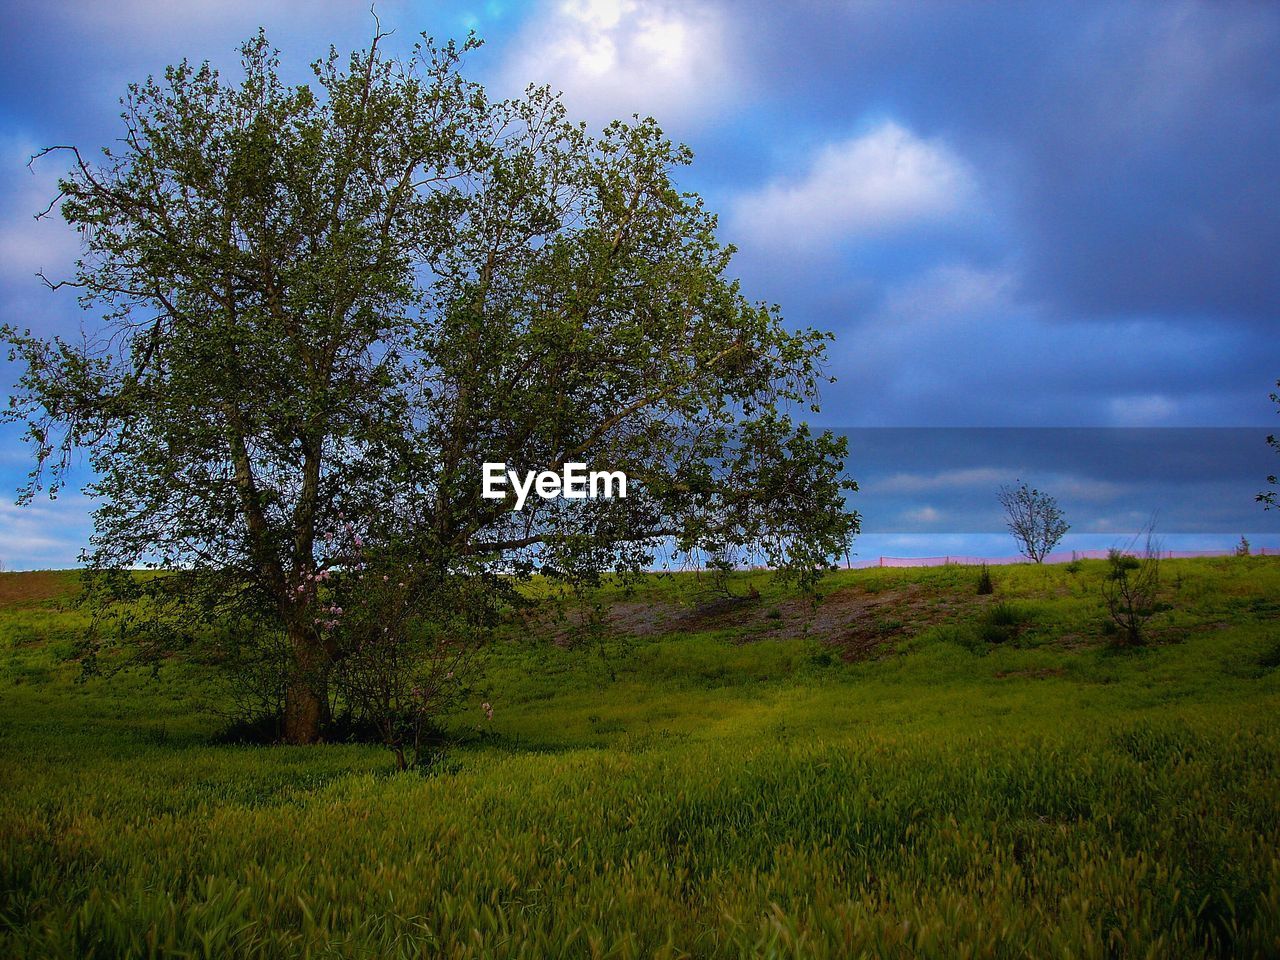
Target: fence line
(1062, 556)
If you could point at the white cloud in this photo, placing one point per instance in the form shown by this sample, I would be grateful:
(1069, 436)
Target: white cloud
(1143, 410)
(950, 291)
(1067, 486)
(1127, 522)
(1085, 488)
(882, 182)
(945, 480)
(613, 58)
(45, 533)
(925, 514)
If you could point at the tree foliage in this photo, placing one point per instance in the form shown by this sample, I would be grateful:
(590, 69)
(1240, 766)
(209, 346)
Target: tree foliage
(323, 307)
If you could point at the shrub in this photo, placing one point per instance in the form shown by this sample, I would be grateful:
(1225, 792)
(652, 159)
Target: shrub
(410, 641)
(985, 586)
(1130, 591)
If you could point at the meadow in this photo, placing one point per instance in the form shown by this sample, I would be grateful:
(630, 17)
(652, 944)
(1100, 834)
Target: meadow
(903, 769)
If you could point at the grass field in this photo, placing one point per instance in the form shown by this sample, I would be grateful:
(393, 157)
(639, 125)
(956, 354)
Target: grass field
(905, 770)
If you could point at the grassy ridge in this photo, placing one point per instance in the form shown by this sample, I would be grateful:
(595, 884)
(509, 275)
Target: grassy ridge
(730, 790)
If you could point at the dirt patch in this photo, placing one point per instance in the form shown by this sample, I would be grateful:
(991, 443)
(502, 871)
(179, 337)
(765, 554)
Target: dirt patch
(569, 625)
(858, 622)
(37, 586)
(854, 621)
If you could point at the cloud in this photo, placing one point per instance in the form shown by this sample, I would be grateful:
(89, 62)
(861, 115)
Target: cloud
(963, 345)
(151, 20)
(901, 483)
(1143, 410)
(1126, 522)
(951, 291)
(28, 245)
(1132, 143)
(1086, 489)
(1157, 154)
(46, 534)
(885, 181)
(923, 515)
(613, 58)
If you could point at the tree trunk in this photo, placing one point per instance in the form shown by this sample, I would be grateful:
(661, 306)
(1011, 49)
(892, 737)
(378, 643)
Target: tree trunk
(306, 701)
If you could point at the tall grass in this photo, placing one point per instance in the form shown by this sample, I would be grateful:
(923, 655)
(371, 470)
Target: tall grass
(686, 796)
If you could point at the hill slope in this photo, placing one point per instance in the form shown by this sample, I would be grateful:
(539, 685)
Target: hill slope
(906, 769)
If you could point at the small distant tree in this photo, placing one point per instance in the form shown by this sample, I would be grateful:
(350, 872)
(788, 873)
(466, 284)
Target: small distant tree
(1242, 548)
(1035, 520)
(1131, 588)
(1268, 497)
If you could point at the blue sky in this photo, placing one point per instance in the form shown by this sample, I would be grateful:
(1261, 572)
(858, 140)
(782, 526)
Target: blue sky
(1011, 214)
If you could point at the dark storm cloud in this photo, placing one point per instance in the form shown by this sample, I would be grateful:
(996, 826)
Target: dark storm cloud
(1138, 143)
(1009, 213)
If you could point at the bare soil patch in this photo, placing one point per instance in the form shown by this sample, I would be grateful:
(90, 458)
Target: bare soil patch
(37, 586)
(855, 621)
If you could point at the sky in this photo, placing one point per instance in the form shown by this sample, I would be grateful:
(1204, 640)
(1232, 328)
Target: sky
(1013, 214)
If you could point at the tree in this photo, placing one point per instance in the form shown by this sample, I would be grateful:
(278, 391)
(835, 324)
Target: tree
(1268, 497)
(1035, 520)
(324, 307)
(1131, 588)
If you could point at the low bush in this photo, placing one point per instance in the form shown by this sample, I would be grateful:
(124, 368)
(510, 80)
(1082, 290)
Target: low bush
(985, 586)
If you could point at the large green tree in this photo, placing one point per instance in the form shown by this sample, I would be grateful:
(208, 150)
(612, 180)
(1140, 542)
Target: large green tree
(323, 307)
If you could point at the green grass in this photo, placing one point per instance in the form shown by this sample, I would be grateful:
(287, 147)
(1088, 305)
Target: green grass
(720, 793)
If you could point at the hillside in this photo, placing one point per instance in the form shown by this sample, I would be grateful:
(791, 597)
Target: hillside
(903, 768)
